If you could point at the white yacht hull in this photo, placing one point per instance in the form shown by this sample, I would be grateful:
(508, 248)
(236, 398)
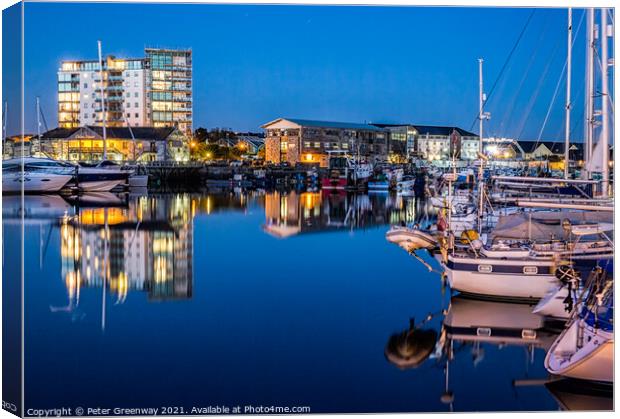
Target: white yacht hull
(552, 304)
(594, 361)
(33, 182)
(100, 185)
(500, 278)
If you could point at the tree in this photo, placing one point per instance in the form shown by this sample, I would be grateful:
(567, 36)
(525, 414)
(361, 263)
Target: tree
(201, 135)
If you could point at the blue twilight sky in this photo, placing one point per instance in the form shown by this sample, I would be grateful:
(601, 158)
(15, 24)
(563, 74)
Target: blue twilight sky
(255, 63)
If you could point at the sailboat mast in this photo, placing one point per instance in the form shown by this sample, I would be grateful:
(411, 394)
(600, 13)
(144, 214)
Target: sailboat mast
(568, 104)
(38, 120)
(4, 119)
(103, 113)
(605, 100)
(480, 145)
(589, 103)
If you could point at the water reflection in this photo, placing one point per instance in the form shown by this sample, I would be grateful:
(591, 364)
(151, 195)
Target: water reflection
(292, 213)
(470, 331)
(145, 246)
(112, 248)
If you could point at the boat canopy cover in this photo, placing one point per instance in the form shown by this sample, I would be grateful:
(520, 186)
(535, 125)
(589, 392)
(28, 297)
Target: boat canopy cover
(543, 225)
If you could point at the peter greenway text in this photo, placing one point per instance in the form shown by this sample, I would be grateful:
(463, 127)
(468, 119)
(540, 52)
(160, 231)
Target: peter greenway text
(167, 410)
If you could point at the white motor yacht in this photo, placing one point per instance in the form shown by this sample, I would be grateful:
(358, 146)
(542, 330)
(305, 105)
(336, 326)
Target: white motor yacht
(35, 175)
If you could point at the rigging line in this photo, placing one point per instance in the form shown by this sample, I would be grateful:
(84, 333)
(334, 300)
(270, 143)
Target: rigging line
(533, 56)
(533, 99)
(43, 117)
(600, 66)
(501, 72)
(557, 86)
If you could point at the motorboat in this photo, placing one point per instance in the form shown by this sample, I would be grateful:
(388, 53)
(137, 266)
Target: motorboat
(35, 175)
(585, 349)
(101, 177)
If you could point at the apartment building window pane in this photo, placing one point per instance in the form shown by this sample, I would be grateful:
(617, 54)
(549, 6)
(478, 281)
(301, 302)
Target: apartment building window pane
(128, 105)
(135, 94)
(137, 115)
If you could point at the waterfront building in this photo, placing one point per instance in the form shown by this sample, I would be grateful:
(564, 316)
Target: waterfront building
(537, 150)
(439, 144)
(152, 91)
(401, 144)
(305, 141)
(19, 146)
(123, 144)
(169, 87)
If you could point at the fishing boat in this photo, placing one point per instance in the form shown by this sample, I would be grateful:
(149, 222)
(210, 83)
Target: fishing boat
(585, 349)
(346, 173)
(35, 175)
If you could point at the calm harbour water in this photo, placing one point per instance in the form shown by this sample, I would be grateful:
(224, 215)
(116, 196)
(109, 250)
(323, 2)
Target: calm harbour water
(252, 298)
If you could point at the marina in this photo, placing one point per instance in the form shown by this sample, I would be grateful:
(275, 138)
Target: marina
(318, 265)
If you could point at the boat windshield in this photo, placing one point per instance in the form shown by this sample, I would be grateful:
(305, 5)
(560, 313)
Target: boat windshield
(600, 316)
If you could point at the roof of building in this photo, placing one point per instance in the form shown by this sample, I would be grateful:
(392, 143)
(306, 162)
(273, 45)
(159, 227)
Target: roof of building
(556, 147)
(432, 129)
(145, 133)
(327, 124)
(252, 139)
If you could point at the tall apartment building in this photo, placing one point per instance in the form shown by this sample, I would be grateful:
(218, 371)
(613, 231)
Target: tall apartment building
(169, 87)
(152, 91)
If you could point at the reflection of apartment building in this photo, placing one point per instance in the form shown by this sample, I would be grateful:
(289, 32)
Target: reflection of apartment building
(305, 141)
(154, 256)
(152, 91)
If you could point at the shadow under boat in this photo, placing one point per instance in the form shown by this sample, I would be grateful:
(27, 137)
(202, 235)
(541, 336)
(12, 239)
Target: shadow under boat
(582, 395)
(99, 199)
